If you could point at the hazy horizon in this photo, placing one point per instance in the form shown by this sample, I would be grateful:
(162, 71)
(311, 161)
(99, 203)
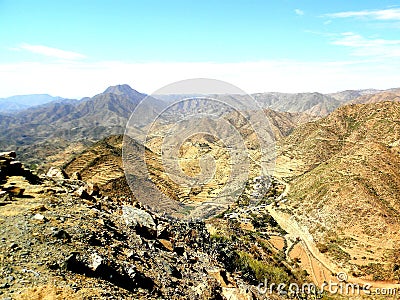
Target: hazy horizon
(76, 49)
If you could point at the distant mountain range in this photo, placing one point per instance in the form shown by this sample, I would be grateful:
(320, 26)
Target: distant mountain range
(18, 103)
(311, 103)
(91, 119)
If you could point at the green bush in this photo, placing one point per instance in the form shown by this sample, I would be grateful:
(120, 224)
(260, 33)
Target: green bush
(260, 270)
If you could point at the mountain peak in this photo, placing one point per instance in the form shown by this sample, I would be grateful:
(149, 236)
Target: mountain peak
(120, 89)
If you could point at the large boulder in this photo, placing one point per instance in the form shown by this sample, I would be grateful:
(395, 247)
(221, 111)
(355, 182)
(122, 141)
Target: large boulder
(9, 155)
(11, 167)
(82, 193)
(56, 173)
(139, 219)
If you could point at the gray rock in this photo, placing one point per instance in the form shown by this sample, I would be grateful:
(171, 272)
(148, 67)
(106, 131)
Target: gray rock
(4, 285)
(56, 173)
(16, 164)
(39, 217)
(8, 155)
(139, 219)
(96, 262)
(82, 193)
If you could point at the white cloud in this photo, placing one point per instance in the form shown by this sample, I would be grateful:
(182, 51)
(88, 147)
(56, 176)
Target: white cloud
(51, 52)
(383, 14)
(373, 47)
(79, 79)
(299, 12)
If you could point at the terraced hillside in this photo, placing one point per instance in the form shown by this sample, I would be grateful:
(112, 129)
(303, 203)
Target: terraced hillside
(101, 164)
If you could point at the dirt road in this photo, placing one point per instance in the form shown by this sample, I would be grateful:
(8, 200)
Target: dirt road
(322, 265)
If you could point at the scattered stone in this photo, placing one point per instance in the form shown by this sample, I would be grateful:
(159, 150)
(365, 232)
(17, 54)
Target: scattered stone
(156, 258)
(24, 270)
(8, 155)
(40, 207)
(94, 241)
(61, 234)
(15, 165)
(53, 265)
(180, 250)
(167, 245)
(195, 190)
(13, 245)
(4, 285)
(162, 230)
(172, 270)
(11, 167)
(222, 277)
(98, 269)
(72, 264)
(39, 217)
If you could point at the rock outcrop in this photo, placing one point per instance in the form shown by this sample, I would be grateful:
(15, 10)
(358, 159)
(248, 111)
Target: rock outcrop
(92, 246)
(10, 167)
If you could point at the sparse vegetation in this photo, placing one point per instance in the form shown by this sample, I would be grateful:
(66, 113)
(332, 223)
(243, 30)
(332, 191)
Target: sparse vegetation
(258, 270)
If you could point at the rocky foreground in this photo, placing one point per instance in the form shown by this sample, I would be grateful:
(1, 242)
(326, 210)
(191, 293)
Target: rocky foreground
(61, 239)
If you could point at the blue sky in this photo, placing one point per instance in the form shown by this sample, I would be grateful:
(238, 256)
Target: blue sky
(78, 48)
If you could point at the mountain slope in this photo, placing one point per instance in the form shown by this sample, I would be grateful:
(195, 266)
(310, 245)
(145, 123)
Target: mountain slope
(345, 184)
(311, 103)
(348, 95)
(90, 119)
(390, 95)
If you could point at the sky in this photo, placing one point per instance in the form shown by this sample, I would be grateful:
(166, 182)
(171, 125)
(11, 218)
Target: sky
(78, 48)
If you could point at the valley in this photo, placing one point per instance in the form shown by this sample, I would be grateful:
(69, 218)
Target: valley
(321, 200)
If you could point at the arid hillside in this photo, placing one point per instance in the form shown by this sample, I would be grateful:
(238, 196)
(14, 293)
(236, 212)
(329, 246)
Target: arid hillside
(389, 95)
(345, 185)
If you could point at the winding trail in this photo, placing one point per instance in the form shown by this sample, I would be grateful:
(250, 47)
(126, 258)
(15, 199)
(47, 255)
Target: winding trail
(296, 231)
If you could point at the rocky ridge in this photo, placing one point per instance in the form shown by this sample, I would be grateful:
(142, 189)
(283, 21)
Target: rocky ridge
(64, 238)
